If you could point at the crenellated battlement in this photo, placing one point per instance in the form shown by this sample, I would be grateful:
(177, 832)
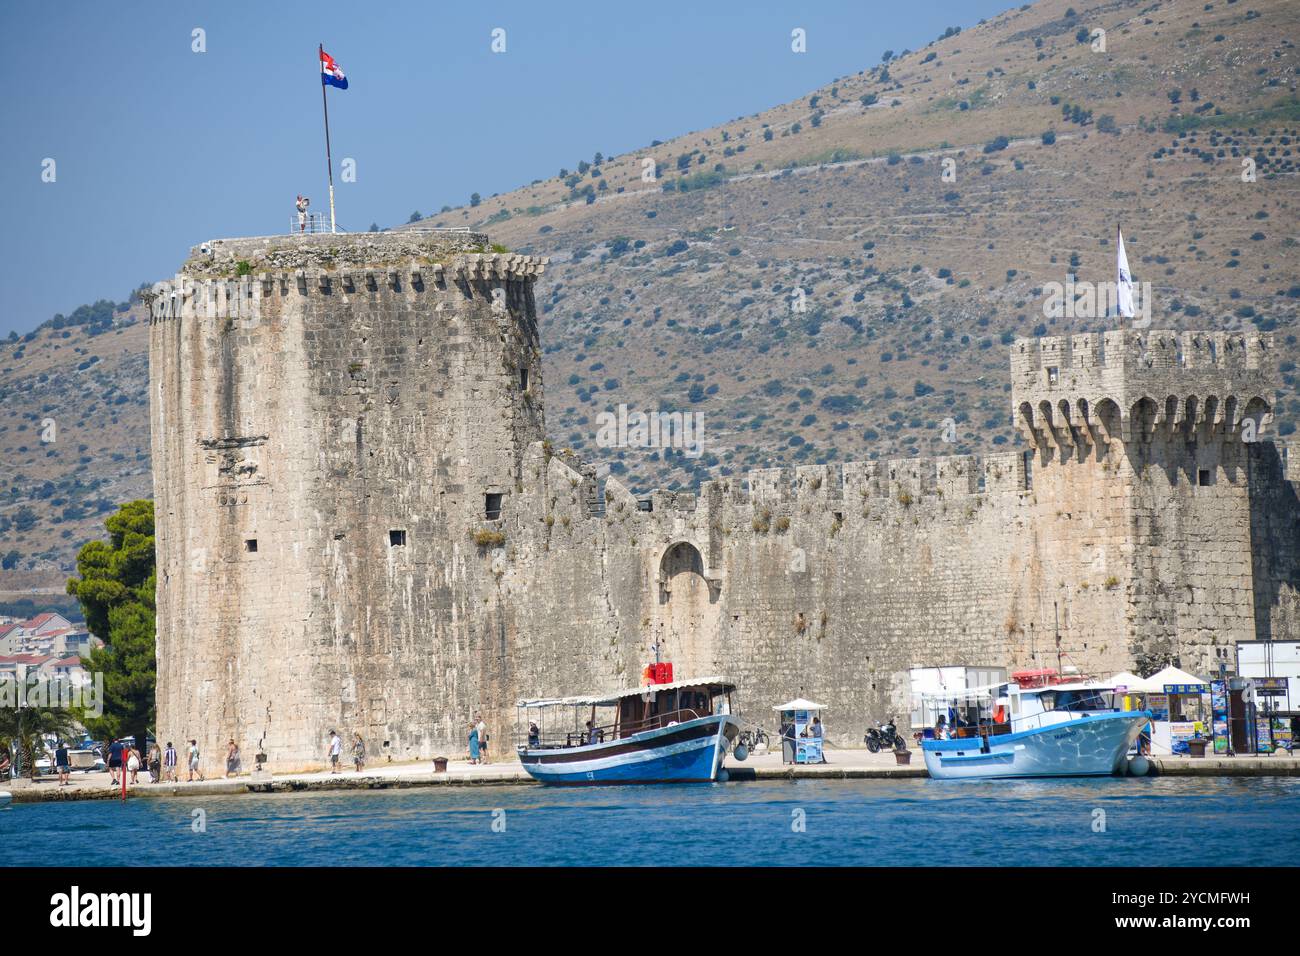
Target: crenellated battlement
(221, 258)
(1137, 351)
(197, 296)
(840, 488)
(904, 480)
(1070, 393)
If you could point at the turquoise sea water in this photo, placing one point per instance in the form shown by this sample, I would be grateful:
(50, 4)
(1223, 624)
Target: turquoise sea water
(1165, 822)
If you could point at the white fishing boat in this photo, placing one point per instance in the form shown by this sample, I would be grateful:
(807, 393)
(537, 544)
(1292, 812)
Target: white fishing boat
(1065, 729)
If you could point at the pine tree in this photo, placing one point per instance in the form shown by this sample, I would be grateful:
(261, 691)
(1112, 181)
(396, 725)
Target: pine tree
(116, 593)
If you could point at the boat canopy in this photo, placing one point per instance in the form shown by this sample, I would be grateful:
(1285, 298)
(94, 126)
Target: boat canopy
(1004, 688)
(799, 703)
(722, 684)
(983, 692)
(1076, 685)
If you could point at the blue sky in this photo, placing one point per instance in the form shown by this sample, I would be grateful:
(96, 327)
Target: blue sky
(158, 147)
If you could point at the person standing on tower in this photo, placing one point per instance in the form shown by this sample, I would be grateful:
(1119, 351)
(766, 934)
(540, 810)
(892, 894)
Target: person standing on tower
(302, 204)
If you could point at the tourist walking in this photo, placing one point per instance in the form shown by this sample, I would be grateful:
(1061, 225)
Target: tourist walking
(169, 763)
(473, 743)
(194, 761)
(335, 750)
(232, 758)
(481, 727)
(133, 764)
(62, 763)
(155, 763)
(358, 752)
(115, 760)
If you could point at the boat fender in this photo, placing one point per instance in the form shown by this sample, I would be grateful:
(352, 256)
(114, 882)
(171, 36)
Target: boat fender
(741, 752)
(723, 776)
(1139, 766)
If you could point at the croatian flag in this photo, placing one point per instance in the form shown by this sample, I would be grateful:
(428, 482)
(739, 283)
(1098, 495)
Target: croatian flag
(330, 73)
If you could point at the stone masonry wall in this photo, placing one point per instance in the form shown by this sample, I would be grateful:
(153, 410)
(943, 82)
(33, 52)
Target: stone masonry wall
(326, 440)
(362, 406)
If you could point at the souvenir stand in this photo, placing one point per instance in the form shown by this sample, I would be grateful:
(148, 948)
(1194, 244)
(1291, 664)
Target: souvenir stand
(1179, 702)
(805, 748)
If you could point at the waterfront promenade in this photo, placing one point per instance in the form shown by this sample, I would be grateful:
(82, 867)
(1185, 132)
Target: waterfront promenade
(843, 764)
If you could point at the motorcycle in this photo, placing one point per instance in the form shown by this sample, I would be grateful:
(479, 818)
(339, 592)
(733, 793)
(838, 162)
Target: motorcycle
(884, 737)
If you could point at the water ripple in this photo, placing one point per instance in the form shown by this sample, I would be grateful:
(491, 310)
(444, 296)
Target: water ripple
(1173, 821)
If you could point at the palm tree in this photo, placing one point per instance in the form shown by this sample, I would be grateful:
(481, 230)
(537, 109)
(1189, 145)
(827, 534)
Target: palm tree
(22, 729)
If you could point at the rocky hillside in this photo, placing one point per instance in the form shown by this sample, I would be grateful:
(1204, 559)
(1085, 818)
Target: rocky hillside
(837, 277)
(74, 437)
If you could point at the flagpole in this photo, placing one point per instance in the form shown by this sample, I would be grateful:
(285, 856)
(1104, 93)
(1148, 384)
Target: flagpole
(329, 162)
(1119, 244)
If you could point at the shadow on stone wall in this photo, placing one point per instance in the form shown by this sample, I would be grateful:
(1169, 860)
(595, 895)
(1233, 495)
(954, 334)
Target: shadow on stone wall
(1274, 545)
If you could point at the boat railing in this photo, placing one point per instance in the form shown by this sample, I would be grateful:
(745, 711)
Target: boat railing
(1049, 717)
(678, 716)
(1021, 722)
(1015, 723)
(605, 732)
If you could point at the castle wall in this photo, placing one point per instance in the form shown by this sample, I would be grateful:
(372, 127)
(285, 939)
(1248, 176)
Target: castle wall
(369, 411)
(822, 584)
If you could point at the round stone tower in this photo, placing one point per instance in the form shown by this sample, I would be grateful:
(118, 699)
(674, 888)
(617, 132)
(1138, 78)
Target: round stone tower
(339, 423)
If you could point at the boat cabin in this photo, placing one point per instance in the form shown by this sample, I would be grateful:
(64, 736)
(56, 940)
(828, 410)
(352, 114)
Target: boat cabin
(593, 719)
(1015, 706)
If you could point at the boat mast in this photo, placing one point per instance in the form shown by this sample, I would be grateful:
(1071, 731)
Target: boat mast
(1056, 614)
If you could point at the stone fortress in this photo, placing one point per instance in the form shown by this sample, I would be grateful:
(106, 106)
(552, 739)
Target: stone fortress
(361, 526)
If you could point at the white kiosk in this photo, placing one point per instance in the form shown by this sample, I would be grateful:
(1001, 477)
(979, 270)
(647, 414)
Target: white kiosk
(804, 747)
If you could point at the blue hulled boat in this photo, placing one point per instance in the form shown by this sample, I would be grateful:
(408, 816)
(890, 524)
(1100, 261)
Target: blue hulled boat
(1059, 730)
(676, 732)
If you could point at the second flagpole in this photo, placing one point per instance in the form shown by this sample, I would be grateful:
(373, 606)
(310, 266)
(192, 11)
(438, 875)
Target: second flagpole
(329, 162)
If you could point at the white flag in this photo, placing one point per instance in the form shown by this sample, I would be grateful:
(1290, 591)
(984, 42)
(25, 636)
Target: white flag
(1123, 282)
